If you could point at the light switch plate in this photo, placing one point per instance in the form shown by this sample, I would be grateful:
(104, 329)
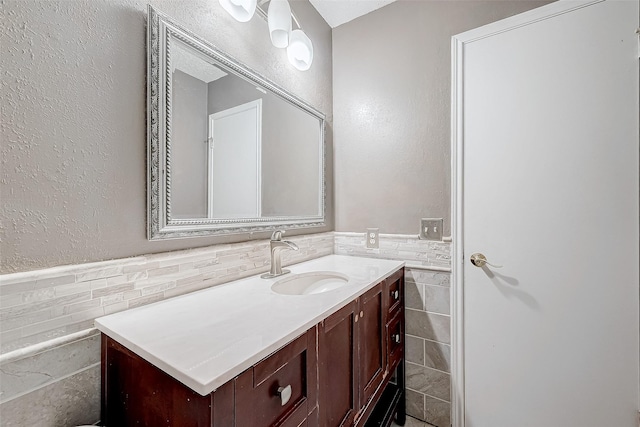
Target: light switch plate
(372, 238)
(431, 228)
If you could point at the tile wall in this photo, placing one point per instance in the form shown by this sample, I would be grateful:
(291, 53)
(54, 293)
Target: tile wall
(428, 345)
(57, 386)
(428, 317)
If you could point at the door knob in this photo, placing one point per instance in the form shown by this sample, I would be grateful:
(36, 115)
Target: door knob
(479, 260)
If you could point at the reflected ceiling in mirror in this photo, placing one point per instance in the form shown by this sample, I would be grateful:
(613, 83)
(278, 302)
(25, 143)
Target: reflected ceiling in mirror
(229, 151)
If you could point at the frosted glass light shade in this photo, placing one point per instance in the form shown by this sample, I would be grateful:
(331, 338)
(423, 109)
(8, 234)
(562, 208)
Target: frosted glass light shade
(279, 19)
(300, 50)
(241, 10)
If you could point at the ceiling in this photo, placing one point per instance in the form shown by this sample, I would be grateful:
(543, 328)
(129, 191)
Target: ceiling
(337, 12)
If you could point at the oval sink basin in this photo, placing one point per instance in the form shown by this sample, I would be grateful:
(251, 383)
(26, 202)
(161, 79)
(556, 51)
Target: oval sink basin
(316, 282)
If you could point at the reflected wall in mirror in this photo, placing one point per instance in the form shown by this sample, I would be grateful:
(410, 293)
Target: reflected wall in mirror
(229, 151)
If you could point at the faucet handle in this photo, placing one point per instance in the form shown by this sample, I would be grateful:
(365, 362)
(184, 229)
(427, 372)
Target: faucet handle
(277, 235)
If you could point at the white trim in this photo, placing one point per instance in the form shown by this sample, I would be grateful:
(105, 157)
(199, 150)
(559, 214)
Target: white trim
(523, 19)
(408, 264)
(457, 181)
(210, 146)
(457, 255)
(41, 347)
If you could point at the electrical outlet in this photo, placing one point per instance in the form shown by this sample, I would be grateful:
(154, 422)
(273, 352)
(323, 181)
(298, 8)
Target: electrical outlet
(431, 228)
(372, 238)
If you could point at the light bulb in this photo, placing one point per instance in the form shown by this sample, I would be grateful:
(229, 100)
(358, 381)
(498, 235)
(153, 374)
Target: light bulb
(241, 10)
(300, 50)
(279, 18)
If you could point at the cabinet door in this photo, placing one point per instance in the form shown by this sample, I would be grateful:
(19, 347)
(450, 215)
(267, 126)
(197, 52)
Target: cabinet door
(337, 347)
(371, 338)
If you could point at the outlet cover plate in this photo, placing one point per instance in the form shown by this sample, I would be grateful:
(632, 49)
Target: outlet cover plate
(372, 238)
(431, 228)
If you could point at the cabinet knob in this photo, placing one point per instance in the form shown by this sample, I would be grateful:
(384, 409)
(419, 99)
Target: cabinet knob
(395, 294)
(396, 338)
(284, 393)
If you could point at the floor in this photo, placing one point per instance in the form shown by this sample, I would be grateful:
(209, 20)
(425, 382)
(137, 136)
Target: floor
(412, 422)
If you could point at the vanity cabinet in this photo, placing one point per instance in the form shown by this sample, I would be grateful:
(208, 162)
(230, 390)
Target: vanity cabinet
(345, 371)
(359, 347)
(280, 390)
(352, 358)
(136, 393)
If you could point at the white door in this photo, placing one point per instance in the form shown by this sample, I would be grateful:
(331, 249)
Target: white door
(546, 169)
(235, 156)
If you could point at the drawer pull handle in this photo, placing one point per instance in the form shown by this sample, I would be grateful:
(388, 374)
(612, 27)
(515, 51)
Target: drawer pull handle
(284, 393)
(396, 338)
(395, 294)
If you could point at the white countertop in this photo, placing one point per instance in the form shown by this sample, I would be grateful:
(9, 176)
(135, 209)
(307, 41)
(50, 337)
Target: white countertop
(206, 338)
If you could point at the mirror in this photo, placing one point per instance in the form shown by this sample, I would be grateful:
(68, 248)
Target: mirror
(228, 150)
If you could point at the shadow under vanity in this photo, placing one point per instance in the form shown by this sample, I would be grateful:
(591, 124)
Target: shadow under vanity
(243, 355)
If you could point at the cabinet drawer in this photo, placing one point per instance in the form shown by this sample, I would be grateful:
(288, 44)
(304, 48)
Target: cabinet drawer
(395, 340)
(395, 292)
(279, 390)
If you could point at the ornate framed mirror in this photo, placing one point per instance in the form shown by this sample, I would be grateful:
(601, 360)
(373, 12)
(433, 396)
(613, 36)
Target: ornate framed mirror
(228, 151)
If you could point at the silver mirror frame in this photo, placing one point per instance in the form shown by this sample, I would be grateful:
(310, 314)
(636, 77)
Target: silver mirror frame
(160, 226)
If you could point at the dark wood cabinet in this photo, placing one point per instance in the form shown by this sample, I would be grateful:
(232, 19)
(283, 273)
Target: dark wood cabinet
(394, 318)
(136, 393)
(370, 331)
(337, 367)
(372, 354)
(346, 371)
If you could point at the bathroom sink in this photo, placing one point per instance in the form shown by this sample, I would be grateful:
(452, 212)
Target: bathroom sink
(315, 282)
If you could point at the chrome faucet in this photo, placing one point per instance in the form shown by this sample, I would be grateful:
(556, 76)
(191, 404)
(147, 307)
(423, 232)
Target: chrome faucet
(277, 245)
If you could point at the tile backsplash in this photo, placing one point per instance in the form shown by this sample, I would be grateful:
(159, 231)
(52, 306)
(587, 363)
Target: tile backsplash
(37, 306)
(409, 248)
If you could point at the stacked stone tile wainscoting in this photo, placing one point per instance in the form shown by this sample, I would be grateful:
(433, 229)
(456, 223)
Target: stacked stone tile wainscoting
(50, 361)
(428, 317)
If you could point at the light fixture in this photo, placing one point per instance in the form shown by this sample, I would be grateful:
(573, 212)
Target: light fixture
(241, 10)
(300, 50)
(279, 19)
(298, 44)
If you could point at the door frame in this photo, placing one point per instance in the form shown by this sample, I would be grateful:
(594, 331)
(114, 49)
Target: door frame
(458, 43)
(251, 105)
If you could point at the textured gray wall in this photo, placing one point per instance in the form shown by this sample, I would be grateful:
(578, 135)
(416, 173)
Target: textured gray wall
(391, 86)
(73, 178)
(189, 131)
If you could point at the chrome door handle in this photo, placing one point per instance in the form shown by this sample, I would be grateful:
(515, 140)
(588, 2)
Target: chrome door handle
(479, 260)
